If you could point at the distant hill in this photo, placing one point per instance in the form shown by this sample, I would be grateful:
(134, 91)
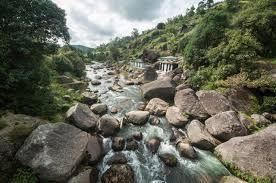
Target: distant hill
(82, 48)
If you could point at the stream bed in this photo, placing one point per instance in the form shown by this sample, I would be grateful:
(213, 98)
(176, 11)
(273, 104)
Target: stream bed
(147, 167)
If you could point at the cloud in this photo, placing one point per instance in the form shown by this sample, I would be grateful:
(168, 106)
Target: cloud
(93, 22)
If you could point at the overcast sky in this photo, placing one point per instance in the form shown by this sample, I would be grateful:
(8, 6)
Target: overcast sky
(93, 22)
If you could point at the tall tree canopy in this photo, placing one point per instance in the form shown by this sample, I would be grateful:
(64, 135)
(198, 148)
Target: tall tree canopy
(29, 29)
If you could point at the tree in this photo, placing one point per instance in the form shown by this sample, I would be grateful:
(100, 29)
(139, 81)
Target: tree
(201, 8)
(191, 11)
(209, 3)
(25, 39)
(161, 26)
(135, 33)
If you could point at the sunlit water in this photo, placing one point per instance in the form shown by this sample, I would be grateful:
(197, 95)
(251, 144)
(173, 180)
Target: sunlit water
(148, 167)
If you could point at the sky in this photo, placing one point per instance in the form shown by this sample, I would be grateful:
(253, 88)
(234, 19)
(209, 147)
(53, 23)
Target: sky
(93, 22)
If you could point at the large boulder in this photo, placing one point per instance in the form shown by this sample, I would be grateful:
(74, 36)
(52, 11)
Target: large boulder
(185, 149)
(99, 109)
(163, 89)
(225, 126)
(214, 102)
(118, 143)
(137, 117)
(108, 125)
(14, 129)
(54, 151)
(254, 154)
(118, 173)
(200, 137)
(150, 74)
(157, 107)
(118, 158)
(175, 117)
(153, 144)
(89, 98)
(188, 103)
(150, 56)
(168, 159)
(89, 175)
(132, 144)
(82, 117)
(94, 151)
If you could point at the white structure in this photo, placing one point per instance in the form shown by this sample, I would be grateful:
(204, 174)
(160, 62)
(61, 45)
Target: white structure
(138, 64)
(168, 64)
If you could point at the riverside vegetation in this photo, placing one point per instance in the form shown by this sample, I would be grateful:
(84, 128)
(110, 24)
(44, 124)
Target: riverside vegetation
(110, 121)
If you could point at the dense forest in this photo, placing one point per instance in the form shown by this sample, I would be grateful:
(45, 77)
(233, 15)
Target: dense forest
(217, 40)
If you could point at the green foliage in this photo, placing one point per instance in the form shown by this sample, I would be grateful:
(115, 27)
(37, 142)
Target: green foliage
(269, 105)
(24, 175)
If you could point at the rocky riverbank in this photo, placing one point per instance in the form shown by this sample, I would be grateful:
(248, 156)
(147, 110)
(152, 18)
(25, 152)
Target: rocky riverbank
(130, 121)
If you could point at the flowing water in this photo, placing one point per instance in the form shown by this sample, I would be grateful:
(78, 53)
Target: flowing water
(148, 167)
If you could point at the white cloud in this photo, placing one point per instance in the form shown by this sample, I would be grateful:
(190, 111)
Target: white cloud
(93, 22)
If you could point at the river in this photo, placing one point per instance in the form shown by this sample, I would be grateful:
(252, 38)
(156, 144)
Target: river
(148, 167)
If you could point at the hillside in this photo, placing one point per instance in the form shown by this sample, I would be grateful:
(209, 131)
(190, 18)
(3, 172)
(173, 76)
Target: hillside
(82, 48)
(216, 40)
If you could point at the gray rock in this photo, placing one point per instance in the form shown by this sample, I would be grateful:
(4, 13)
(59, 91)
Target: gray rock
(118, 143)
(269, 116)
(132, 145)
(188, 103)
(137, 117)
(99, 109)
(114, 110)
(138, 136)
(89, 98)
(87, 176)
(54, 151)
(225, 126)
(82, 117)
(157, 107)
(175, 117)
(141, 106)
(118, 158)
(260, 120)
(230, 179)
(108, 125)
(94, 151)
(118, 173)
(185, 149)
(153, 144)
(168, 159)
(163, 89)
(95, 82)
(214, 102)
(150, 74)
(200, 137)
(182, 87)
(154, 120)
(254, 153)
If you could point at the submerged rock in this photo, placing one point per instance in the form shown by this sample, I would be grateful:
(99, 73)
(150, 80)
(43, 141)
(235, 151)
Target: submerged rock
(108, 125)
(154, 120)
(157, 107)
(175, 117)
(163, 89)
(99, 109)
(118, 173)
(118, 158)
(137, 117)
(200, 137)
(138, 136)
(131, 145)
(254, 153)
(118, 143)
(225, 126)
(214, 102)
(188, 103)
(153, 144)
(54, 151)
(95, 82)
(168, 159)
(82, 117)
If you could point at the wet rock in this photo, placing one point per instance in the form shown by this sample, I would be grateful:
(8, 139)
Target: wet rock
(116, 87)
(188, 103)
(225, 126)
(99, 109)
(154, 120)
(98, 77)
(15, 128)
(260, 120)
(230, 179)
(168, 159)
(150, 55)
(137, 117)
(129, 83)
(111, 73)
(95, 82)
(141, 106)
(131, 145)
(118, 158)
(254, 153)
(200, 137)
(175, 117)
(54, 151)
(114, 110)
(182, 87)
(214, 102)
(87, 176)
(153, 144)
(108, 125)
(118, 143)
(185, 149)
(150, 74)
(138, 136)
(163, 89)
(89, 98)
(118, 173)
(82, 117)
(94, 151)
(157, 107)
(177, 78)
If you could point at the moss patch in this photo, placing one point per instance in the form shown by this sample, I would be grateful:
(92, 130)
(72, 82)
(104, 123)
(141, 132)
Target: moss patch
(242, 174)
(24, 175)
